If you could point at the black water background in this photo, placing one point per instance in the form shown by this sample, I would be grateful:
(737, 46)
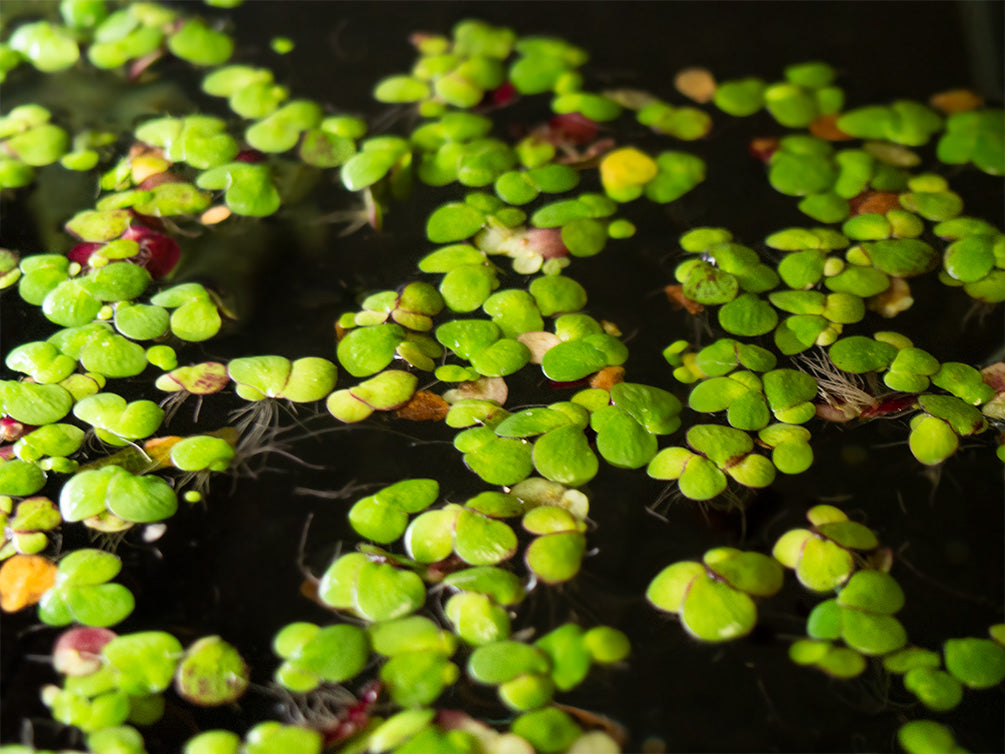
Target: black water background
(229, 568)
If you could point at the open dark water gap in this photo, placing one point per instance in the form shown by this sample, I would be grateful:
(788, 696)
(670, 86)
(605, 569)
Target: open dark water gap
(229, 567)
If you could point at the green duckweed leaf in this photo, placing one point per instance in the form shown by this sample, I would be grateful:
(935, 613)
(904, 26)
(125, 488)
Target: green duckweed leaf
(751, 572)
(555, 558)
(800, 174)
(570, 658)
(280, 131)
(71, 304)
(910, 658)
(200, 45)
(860, 281)
(563, 455)
(476, 619)
(714, 611)
(977, 663)
(679, 172)
(503, 587)
(823, 565)
(367, 350)
(970, 258)
(249, 190)
(417, 678)
(850, 534)
(709, 285)
(141, 321)
(747, 315)
(414, 633)
(453, 222)
(41, 361)
(974, 136)
(926, 737)
(555, 294)
(276, 738)
(741, 97)
(790, 104)
(621, 440)
(859, 354)
(401, 90)
(137, 499)
(429, 538)
(384, 592)
(333, 653)
(20, 478)
(482, 541)
(466, 287)
(501, 460)
(34, 404)
(572, 360)
(825, 621)
(530, 422)
(201, 453)
(121, 38)
(549, 730)
(596, 107)
(399, 728)
(47, 47)
(654, 408)
(211, 673)
(902, 257)
(38, 146)
(936, 689)
(527, 692)
(118, 420)
(144, 662)
(873, 591)
(505, 660)
(722, 445)
(700, 479)
(826, 207)
(966, 383)
(871, 633)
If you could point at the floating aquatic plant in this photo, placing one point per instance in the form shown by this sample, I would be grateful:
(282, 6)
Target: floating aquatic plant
(81, 593)
(714, 599)
(823, 557)
(555, 194)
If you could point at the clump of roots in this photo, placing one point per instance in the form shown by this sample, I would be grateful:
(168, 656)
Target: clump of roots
(846, 396)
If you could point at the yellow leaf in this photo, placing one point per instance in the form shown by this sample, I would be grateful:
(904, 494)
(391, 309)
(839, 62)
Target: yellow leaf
(626, 167)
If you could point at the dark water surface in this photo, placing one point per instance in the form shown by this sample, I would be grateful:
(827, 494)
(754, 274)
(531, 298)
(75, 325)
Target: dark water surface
(230, 567)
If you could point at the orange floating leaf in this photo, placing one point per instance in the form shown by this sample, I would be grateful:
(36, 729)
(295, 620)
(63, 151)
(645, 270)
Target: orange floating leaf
(214, 215)
(825, 127)
(23, 581)
(608, 377)
(956, 101)
(697, 84)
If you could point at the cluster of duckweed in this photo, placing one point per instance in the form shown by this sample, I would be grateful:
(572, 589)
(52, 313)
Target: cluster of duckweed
(793, 351)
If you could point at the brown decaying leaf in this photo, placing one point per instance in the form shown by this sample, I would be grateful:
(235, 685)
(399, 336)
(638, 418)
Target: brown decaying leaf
(675, 293)
(956, 101)
(608, 377)
(873, 201)
(825, 127)
(894, 300)
(696, 83)
(762, 148)
(424, 406)
(538, 341)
